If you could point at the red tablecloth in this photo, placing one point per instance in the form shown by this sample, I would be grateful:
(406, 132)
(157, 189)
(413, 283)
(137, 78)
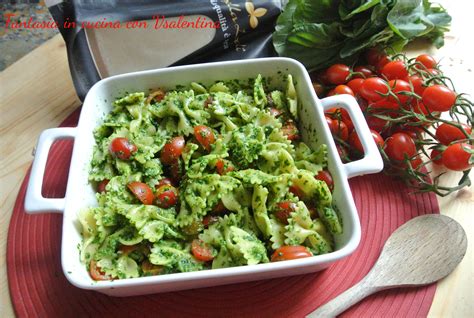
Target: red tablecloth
(38, 287)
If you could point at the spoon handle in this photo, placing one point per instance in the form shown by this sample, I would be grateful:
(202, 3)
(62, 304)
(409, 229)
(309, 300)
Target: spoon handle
(345, 300)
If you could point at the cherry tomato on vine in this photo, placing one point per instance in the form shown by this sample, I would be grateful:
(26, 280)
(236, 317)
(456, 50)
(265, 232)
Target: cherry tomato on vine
(339, 114)
(101, 186)
(384, 60)
(375, 123)
(318, 88)
(122, 148)
(289, 252)
(204, 136)
(364, 72)
(394, 70)
(338, 74)
(458, 157)
(166, 196)
(201, 251)
(373, 56)
(447, 133)
(355, 85)
(384, 105)
(427, 60)
(438, 98)
(172, 150)
(141, 191)
(343, 89)
(342, 152)
(436, 156)
(398, 146)
(283, 211)
(417, 83)
(415, 163)
(401, 89)
(325, 176)
(355, 143)
(374, 89)
(96, 273)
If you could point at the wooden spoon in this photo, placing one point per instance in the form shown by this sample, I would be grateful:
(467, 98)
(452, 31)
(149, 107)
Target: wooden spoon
(420, 252)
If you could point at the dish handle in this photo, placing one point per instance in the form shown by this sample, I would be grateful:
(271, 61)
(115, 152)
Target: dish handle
(372, 161)
(34, 200)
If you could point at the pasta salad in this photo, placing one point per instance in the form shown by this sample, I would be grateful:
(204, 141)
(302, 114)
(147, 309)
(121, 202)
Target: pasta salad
(204, 177)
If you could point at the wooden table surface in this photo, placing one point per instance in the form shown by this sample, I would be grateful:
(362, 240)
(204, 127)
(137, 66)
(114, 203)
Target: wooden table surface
(36, 93)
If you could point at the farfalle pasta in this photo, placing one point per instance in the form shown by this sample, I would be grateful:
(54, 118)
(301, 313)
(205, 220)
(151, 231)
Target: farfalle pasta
(204, 177)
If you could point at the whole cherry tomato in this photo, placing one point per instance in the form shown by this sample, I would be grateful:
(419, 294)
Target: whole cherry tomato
(374, 89)
(447, 133)
(436, 156)
(343, 89)
(398, 146)
(438, 98)
(338, 74)
(172, 150)
(362, 72)
(394, 70)
(289, 252)
(458, 157)
(426, 60)
(122, 148)
(204, 136)
(355, 85)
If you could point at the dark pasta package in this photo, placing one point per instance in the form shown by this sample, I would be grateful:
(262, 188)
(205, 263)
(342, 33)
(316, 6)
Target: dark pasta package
(110, 37)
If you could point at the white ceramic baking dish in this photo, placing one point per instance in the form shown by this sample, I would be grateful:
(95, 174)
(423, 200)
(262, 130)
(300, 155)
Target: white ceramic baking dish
(80, 194)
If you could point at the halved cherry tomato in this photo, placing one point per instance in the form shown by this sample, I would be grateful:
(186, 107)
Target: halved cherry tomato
(127, 249)
(325, 176)
(219, 208)
(289, 252)
(201, 251)
(96, 273)
(395, 70)
(355, 84)
(204, 136)
(122, 148)
(427, 60)
(436, 156)
(176, 171)
(438, 98)
(141, 191)
(208, 101)
(297, 191)
(150, 269)
(363, 72)
(166, 196)
(400, 145)
(275, 112)
(290, 131)
(457, 157)
(101, 186)
(283, 211)
(209, 219)
(223, 166)
(447, 133)
(172, 150)
(343, 89)
(338, 74)
(164, 181)
(374, 89)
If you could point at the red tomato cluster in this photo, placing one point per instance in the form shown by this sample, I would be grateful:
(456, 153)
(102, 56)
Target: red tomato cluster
(402, 99)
